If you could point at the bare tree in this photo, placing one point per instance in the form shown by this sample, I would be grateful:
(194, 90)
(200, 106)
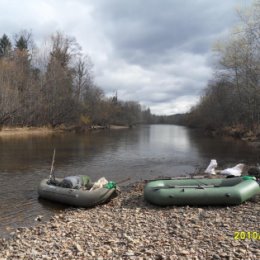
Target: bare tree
(234, 96)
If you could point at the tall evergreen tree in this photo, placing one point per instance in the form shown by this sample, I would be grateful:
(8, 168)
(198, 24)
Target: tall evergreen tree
(21, 43)
(5, 45)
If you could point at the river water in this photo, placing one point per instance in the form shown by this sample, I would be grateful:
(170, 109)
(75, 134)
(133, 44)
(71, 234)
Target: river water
(144, 152)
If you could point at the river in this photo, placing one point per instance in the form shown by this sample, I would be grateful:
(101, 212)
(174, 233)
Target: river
(144, 152)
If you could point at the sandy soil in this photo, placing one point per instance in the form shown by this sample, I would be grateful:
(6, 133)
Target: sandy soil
(23, 131)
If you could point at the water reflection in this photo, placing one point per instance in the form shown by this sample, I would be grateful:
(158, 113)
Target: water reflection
(140, 153)
(176, 138)
(226, 150)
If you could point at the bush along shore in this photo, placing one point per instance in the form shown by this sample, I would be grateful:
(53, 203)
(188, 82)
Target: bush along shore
(129, 228)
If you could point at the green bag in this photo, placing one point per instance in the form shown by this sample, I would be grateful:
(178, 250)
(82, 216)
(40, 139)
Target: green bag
(85, 180)
(110, 185)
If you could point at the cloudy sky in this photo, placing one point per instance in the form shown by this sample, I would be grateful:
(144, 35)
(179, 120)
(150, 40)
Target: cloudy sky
(156, 52)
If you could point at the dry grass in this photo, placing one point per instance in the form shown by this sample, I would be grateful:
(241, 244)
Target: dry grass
(25, 131)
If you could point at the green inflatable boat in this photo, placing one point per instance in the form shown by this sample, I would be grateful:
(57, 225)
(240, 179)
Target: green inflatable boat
(75, 197)
(229, 191)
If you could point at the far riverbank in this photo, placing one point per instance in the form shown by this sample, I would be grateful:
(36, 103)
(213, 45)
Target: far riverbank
(239, 133)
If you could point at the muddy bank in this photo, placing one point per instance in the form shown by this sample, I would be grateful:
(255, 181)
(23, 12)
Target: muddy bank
(235, 132)
(40, 131)
(130, 228)
(23, 131)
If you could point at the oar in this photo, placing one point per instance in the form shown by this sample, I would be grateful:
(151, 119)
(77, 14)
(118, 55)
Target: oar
(168, 178)
(124, 180)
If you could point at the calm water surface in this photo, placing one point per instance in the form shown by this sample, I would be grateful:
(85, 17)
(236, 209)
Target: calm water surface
(141, 153)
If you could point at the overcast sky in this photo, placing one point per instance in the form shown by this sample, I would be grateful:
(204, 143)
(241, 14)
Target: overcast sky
(156, 52)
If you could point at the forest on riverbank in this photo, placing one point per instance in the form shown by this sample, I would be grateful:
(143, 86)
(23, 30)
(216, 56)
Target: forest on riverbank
(231, 100)
(54, 85)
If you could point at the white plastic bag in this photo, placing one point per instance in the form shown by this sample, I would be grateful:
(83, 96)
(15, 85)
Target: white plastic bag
(99, 183)
(211, 167)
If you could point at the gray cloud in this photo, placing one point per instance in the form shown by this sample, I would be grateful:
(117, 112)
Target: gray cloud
(155, 27)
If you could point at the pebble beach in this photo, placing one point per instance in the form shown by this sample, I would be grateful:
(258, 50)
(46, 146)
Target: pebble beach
(127, 227)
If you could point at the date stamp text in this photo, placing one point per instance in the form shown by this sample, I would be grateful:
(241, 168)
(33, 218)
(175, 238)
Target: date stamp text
(243, 235)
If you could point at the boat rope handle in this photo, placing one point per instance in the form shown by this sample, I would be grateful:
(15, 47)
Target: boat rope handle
(185, 186)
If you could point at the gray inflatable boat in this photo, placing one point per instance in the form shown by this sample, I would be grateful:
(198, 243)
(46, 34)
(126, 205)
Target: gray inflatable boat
(74, 197)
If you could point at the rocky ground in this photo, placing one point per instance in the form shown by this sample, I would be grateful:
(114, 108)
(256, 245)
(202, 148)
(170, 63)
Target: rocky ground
(129, 228)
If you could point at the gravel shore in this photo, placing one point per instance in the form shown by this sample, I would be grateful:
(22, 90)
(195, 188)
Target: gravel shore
(129, 228)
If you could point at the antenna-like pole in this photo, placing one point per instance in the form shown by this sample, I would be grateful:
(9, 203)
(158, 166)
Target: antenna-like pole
(52, 176)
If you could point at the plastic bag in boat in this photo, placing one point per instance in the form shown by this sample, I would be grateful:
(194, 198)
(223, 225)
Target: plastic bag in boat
(99, 183)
